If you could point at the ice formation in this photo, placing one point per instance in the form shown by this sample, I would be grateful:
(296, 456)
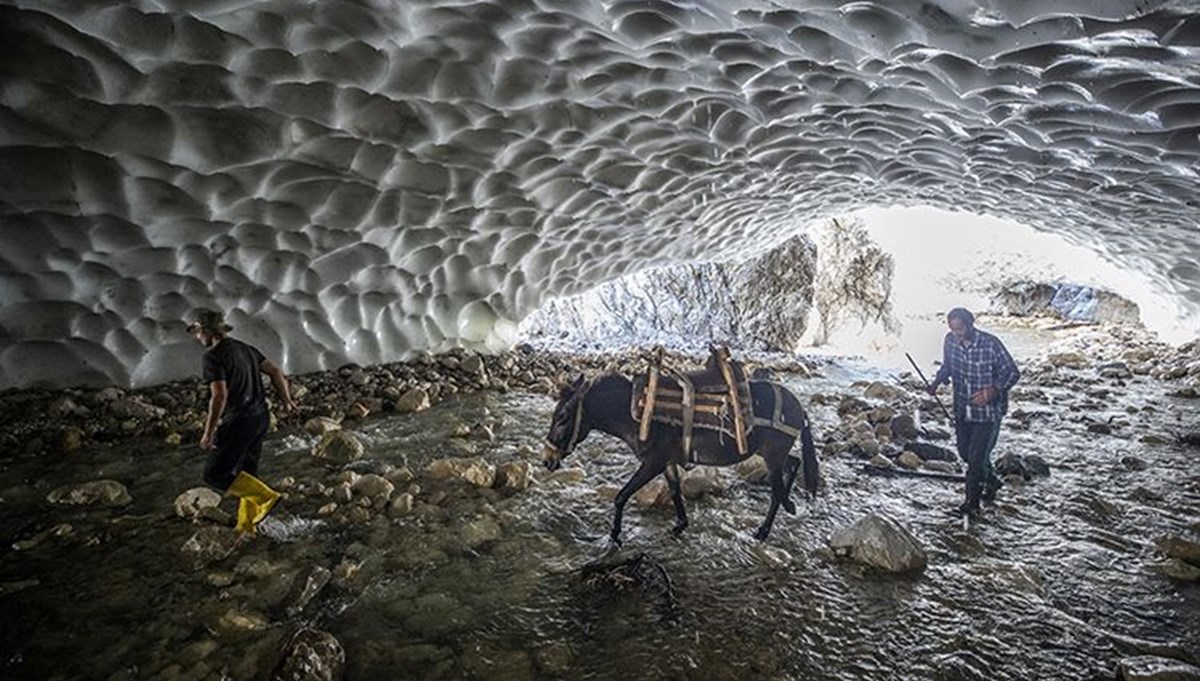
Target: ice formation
(355, 180)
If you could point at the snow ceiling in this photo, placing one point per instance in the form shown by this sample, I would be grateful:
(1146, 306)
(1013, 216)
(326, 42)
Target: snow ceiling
(351, 181)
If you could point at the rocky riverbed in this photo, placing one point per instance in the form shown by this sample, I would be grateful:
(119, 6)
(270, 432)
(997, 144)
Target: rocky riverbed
(420, 539)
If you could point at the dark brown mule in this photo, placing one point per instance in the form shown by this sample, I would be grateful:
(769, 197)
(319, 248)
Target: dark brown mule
(603, 404)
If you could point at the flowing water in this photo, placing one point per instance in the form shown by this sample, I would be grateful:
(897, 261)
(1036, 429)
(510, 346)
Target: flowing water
(487, 585)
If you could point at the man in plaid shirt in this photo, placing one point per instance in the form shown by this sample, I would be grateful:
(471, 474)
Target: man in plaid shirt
(982, 372)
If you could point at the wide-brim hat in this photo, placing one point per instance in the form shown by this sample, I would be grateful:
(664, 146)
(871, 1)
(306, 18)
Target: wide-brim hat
(211, 321)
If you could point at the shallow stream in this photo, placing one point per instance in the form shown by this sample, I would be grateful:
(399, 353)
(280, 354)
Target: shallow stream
(485, 585)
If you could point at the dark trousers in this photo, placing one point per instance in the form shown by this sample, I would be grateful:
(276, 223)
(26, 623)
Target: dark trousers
(238, 447)
(976, 440)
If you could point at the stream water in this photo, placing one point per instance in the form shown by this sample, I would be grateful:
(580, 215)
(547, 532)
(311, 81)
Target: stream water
(485, 585)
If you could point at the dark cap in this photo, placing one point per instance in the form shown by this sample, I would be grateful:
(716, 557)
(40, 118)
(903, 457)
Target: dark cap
(209, 320)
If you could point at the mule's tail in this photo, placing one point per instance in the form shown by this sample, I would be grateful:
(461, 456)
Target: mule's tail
(812, 472)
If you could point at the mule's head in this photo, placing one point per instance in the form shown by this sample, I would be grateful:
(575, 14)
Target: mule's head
(565, 425)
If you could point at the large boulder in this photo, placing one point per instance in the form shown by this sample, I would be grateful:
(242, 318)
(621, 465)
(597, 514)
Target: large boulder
(880, 542)
(338, 447)
(1153, 668)
(97, 492)
(311, 655)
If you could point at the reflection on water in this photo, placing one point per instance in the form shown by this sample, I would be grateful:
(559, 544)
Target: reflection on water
(485, 585)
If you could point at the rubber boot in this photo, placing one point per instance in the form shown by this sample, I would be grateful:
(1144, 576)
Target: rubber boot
(245, 516)
(262, 498)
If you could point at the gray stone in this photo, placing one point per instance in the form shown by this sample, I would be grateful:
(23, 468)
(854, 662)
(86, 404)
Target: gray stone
(103, 492)
(373, 486)
(909, 460)
(414, 399)
(880, 542)
(516, 475)
(311, 655)
(1153, 668)
(338, 447)
(319, 425)
(904, 427)
(192, 503)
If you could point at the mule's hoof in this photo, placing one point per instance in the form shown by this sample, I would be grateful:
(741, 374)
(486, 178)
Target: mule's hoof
(788, 506)
(762, 533)
(678, 530)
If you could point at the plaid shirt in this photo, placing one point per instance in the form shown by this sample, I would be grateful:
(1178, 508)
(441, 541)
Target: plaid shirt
(974, 365)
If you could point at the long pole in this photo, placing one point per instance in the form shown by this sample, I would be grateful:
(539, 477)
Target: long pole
(935, 396)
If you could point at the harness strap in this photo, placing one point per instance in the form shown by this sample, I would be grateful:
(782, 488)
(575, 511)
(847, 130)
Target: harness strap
(776, 420)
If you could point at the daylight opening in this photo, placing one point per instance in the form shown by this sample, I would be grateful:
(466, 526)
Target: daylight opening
(874, 283)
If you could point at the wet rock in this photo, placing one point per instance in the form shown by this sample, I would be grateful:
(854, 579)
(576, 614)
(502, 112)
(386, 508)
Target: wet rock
(316, 580)
(1178, 569)
(65, 407)
(69, 439)
(655, 493)
(240, 622)
(413, 400)
(319, 425)
(753, 470)
(555, 659)
(851, 405)
(375, 487)
(880, 542)
(473, 366)
(133, 408)
(60, 530)
(209, 544)
(932, 452)
(514, 475)
(880, 461)
(881, 416)
(358, 411)
(102, 492)
(1178, 547)
(770, 556)
(909, 460)
(701, 481)
(1133, 463)
(1036, 466)
(941, 466)
(403, 503)
(338, 447)
(311, 655)
(883, 391)
(192, 503)
(1153, 668)
(1069, 360)
(568, 476)
(904, 427)
(342, 493)
(328, 509)
(480, 531)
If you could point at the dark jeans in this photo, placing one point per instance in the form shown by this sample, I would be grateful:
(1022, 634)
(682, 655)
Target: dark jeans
(975, 440)
(238, 447)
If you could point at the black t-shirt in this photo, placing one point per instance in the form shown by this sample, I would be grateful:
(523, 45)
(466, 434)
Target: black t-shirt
(240, 366)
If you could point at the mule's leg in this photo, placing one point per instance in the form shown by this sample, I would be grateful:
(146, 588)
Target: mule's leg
(775, 475)
(681, 521)
(791, 467)
(650, 468)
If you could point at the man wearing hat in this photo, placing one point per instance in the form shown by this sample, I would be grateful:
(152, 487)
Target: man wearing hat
(237, 415)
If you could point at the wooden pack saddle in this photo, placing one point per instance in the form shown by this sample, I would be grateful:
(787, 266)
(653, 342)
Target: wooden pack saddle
(716, 398)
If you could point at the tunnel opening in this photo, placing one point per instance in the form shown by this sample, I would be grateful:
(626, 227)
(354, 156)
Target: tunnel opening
(875, 283)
